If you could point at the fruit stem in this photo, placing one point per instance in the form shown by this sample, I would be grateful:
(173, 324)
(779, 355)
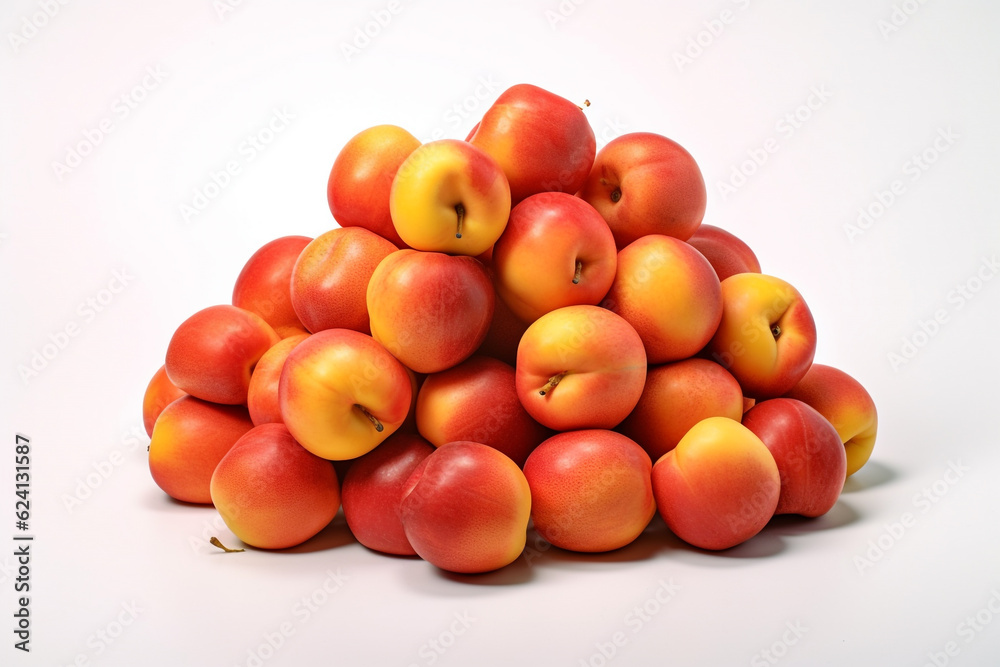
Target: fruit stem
(775, 330)
(372, 418)
(586, 103)
(579, 269)
(461, 216)
(551, 384)
(216, 543)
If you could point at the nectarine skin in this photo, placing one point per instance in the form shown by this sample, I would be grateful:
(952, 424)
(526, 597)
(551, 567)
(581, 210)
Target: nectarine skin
(846, 404)
(504, 333)
(477, 401)
(677, 396)
(189, 439)
(644, 183)
(160, 392)
(342, 393)
(373, 488)
(465, 508)
(212, 353)
(767, 336)
(580, 367)
(669, 292)
(361, 178)
(719, 487)
(263, 286)
(590, 490)
(556, 251)
(409, 425)
(808, 451)
(449, 196)
(543, 142)
(431, 310)
(262, 396)
(726, 252)
(330, 278)
(271, 492)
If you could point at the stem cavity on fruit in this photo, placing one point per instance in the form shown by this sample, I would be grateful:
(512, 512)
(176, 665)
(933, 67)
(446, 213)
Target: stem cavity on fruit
(372, 418)
(579, 270)
(551, 384)
(216, 543)
(460, 210)
(775, 330)
(616, 195)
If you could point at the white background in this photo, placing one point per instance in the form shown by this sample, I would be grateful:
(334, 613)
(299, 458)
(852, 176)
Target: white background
(122, 552)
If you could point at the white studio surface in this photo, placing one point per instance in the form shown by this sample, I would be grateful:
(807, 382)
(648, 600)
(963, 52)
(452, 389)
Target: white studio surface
(853, 146)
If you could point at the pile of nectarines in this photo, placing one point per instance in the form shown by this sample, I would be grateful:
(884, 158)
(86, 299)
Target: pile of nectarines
(508, 329)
